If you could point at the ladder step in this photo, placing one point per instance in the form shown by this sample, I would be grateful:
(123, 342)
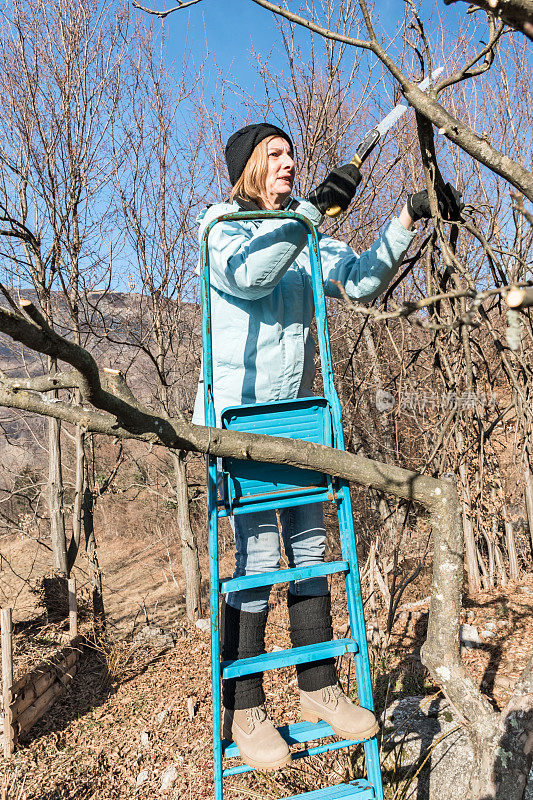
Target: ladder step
(296, 733)
(361, 789)
(316, 750)
(283, 576)
(272, 500)
(302, 732)
(286, 658)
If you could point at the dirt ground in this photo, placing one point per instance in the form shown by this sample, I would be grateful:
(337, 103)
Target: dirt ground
(136, 710)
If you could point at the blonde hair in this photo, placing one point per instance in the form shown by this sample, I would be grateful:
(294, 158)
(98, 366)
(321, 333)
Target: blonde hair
(251, 184)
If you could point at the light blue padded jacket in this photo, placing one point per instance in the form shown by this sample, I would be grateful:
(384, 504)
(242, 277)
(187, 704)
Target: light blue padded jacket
(262, 300)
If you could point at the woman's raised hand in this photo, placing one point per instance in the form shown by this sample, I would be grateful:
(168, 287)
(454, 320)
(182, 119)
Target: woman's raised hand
(337, 190)
(448, 198)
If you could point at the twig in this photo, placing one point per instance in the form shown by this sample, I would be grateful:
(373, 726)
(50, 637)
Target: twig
(516, 13)
(518, 201)
(163, 14)
(406, 309)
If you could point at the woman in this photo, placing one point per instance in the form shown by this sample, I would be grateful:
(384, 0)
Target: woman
(262, 308)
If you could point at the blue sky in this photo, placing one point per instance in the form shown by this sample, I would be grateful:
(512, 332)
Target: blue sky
(229, 31)
(230, 28)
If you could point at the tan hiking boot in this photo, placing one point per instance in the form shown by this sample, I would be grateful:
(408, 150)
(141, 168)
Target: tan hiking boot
(259, 742)
(331, 705)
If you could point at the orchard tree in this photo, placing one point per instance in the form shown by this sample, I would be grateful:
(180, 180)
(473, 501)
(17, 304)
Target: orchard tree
(61, 70)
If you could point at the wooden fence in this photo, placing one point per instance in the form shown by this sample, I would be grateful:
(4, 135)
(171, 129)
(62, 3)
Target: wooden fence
(27, 699)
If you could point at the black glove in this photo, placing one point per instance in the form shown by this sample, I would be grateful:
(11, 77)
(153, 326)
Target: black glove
(337, 190)
(448, 199)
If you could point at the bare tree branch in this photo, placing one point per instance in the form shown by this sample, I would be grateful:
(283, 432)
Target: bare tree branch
(163, 14)
(124, 417)
(516, 13)
(520, 297)
(312, 26)
(406, 309)
(448, 125)
(39, 336)
(519, 205)
(487, 53)
(47, 383)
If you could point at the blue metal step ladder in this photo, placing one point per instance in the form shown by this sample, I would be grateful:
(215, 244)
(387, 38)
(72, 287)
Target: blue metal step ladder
(252, 486)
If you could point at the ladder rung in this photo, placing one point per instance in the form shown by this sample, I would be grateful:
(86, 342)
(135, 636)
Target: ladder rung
(296, 733)
(309, 751)
(298, 754)
(283, 576)
(360, 789)
(273, 501)
(285, 658)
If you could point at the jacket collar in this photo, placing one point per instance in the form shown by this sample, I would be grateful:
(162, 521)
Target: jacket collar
(249, 205)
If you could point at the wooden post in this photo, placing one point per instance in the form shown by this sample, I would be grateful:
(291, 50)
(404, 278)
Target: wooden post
(7, 680)
(72, 609)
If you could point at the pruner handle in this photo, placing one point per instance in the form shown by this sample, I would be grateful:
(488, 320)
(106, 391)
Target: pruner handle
(361, 154)
(334, 211)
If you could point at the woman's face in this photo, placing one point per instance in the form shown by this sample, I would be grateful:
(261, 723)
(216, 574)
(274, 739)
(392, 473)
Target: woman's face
(280, 173)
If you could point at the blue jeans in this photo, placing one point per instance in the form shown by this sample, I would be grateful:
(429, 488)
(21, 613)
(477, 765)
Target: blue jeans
(258, 550)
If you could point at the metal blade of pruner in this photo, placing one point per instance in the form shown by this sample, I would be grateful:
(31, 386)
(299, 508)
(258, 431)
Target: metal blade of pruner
(370, 140)
(398, 111)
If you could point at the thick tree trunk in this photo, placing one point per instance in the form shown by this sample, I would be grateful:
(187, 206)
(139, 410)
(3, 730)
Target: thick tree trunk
(55, 499)
(79, 487)
(503, 743)
(95, 576)
(189, 546)
(503, 754)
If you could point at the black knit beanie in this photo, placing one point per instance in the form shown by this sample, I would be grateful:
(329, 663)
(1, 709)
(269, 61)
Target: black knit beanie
(242, 143)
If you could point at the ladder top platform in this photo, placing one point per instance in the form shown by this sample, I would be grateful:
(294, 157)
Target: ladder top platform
(254, 486)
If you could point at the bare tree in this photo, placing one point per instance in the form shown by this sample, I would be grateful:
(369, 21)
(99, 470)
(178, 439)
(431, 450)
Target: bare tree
(60, 82)
(425, 103)
(444, 317)
(119, 414)
(156, 176)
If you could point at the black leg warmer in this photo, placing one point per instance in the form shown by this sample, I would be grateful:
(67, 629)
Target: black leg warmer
(310, 620)
(242, 636)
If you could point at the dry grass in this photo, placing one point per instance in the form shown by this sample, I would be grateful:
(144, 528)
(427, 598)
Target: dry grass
(12, 787)
(127, 710)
